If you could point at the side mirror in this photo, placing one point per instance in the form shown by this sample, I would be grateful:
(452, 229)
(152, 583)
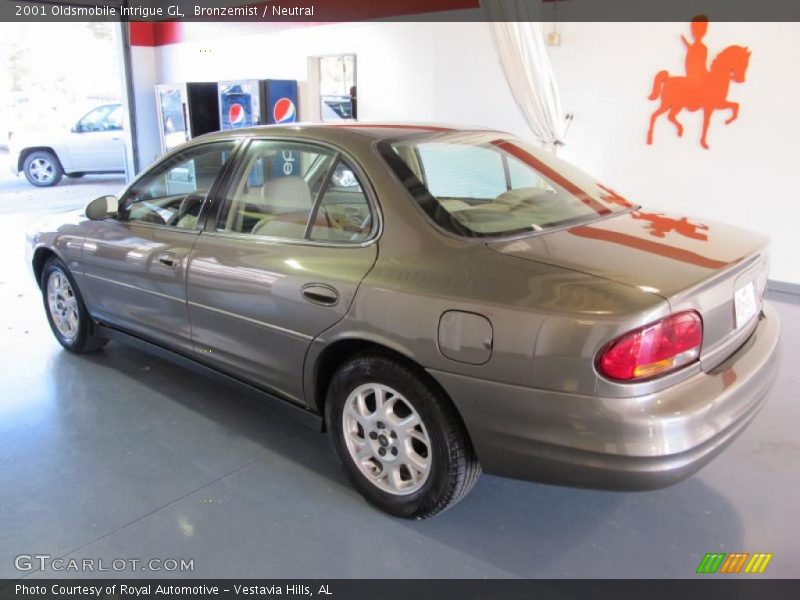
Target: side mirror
(102, 208)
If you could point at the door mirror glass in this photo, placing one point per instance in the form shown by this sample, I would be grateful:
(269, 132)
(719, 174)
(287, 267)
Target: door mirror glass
(102, 208)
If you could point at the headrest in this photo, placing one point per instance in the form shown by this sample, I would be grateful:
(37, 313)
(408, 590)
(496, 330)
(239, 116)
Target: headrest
(289, 193)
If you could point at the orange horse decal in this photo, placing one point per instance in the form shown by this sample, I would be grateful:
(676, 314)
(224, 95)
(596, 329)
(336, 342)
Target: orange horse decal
(700, 88)
(660, 225)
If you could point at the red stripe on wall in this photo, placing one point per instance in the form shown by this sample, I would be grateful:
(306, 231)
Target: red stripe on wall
(158, 33)
(168, 32)
(141, 34)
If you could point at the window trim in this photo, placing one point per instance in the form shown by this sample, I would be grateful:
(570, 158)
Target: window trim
(323, 189)
(213, 190)
(376, 231)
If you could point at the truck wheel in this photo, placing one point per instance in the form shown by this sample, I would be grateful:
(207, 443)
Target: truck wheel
(66, 312)
(42, 168)
(401, 443)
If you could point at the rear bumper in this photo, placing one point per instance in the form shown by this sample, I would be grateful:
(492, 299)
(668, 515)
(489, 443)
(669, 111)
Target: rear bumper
(645, 442)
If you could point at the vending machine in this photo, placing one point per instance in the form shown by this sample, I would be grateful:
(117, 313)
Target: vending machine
(186, 110)
(249, 102)
(242, 103)
(282, 101)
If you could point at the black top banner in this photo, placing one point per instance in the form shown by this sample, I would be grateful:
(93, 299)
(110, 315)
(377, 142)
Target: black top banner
(288, 11)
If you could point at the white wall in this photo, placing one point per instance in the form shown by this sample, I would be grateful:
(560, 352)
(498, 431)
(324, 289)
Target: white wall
(747, 178)
(395, 75)
(143, 63)
(448, 72)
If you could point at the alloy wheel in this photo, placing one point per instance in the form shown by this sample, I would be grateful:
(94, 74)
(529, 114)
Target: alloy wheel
(42, 170)
(63, 305)
(387, 439)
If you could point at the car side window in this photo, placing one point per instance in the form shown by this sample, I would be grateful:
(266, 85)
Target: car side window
(113, 122)
(276, 190)
(173, 192)
(343, 214)
(103, 118)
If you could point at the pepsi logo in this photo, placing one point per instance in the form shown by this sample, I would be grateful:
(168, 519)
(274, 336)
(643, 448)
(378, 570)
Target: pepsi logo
(236, 114)
(284, 111)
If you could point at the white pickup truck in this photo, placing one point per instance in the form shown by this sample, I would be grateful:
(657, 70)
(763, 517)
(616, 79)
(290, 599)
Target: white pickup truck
(94, 144)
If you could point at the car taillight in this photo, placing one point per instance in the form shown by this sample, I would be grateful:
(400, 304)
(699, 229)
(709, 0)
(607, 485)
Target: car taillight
(653, 349)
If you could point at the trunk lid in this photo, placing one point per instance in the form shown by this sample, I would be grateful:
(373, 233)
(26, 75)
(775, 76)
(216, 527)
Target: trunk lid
(691, 264)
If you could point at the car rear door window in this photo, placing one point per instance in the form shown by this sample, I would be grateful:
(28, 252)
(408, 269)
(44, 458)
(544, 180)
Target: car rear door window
(296, 191)
(173, 192)
(343, 214)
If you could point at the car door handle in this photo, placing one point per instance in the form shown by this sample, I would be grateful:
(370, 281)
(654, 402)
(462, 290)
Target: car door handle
(319, 293)
(169, 259)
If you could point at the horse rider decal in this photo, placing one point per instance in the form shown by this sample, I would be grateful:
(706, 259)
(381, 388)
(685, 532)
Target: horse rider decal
(700, 88)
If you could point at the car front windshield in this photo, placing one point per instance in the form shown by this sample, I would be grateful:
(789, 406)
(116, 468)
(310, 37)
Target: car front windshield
(484, 184)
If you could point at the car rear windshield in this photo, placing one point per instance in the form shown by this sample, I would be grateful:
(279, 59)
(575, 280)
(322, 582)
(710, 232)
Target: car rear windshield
(481, 185)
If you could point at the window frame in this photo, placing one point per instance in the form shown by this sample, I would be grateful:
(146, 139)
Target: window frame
(236, 172)
(207, 201)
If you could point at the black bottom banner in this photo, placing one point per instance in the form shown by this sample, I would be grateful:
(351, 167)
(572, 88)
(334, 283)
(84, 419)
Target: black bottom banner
(409, 589)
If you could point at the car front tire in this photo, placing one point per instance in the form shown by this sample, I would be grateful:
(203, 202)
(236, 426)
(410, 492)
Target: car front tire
(42, 169)
(66, 311)
(400, 440)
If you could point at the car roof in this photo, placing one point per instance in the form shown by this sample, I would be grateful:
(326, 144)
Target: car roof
(375, 130)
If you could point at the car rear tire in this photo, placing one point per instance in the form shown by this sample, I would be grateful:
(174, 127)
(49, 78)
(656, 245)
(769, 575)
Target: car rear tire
(400, 440)
(42, 169)
(66, 311)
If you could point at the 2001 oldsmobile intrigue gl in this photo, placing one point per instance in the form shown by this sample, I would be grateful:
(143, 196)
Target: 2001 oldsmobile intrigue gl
(443, 300)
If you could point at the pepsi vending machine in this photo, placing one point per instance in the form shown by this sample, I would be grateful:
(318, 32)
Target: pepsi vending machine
(186, 110)
(282, 109)
(281, 101)
(242, 103)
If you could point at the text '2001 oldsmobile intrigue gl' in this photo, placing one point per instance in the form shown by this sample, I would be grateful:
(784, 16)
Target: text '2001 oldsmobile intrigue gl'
(443, 301)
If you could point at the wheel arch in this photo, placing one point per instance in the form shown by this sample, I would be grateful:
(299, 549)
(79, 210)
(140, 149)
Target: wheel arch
(26, 152)
(40, 256)
(335, 354)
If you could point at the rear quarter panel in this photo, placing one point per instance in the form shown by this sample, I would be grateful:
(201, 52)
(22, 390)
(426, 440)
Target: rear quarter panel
(547, 321)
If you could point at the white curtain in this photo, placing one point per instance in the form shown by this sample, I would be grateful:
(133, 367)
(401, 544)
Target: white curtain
(519, 39)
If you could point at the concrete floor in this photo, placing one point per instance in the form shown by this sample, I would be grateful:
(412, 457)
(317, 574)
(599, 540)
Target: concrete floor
(117, 455)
